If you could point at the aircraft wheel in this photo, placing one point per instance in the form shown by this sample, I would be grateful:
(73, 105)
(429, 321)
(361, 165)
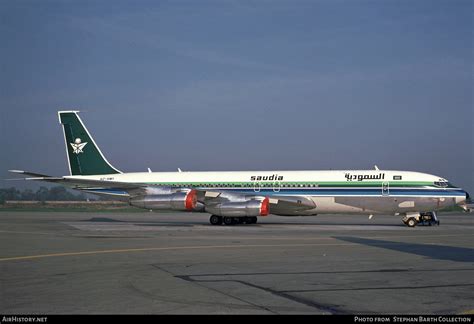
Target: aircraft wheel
(228, 221)
(411, 222)
(253, 220)
(215, 220)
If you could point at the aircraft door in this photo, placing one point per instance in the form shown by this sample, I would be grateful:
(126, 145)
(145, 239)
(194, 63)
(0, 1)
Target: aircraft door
(276, 186)
(385, 189)
(256, 186)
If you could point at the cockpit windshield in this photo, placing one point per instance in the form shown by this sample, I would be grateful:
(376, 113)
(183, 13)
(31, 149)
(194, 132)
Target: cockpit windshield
(442, 184)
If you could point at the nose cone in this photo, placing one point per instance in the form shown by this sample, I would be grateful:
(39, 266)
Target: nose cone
(463, 200)
(467, 203)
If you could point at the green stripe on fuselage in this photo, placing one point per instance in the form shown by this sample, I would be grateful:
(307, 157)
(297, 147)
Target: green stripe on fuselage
(340, 184)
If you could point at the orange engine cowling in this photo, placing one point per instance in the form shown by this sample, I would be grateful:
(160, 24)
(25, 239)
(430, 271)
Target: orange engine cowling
(265, 207)
(250, 208)
(182, 200)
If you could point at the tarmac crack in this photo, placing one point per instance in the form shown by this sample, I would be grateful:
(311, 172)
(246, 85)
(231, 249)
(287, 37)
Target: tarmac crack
(282, 294)
(330, 272)
(196, 282)
(377, 288)
(289, 294)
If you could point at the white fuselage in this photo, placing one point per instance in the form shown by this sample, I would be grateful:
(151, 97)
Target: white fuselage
(338, 191)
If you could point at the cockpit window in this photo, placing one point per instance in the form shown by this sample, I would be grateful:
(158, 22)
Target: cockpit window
(442, 184)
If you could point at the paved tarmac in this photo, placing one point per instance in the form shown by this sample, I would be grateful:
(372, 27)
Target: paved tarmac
(149, 263)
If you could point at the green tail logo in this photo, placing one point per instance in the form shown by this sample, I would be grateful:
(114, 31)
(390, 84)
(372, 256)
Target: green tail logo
(84, 156)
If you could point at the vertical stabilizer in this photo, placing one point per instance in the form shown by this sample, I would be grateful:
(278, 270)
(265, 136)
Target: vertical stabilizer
(84, 156)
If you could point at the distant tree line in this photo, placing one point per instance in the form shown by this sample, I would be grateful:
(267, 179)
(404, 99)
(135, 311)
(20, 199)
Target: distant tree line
(42, 194)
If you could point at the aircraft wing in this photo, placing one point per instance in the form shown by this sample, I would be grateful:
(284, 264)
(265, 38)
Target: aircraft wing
(207, 197)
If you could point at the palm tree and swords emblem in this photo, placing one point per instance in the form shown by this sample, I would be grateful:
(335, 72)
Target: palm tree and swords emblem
(77, 146)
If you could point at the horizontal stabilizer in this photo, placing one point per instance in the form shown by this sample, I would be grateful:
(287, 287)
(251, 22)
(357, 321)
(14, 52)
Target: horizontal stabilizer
(29, 173)
(36, 178)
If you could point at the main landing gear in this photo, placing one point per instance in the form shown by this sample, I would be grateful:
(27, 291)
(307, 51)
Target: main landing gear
(218, 220)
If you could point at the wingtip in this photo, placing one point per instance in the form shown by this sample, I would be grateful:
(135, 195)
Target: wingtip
(17, 171)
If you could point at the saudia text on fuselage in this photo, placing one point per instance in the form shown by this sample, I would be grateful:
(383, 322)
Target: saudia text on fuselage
(362, 177)
(273, 177)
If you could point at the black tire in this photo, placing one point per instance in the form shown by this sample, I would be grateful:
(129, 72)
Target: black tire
(254, 220)
(215, 220)
(228, 221)
(411, 222)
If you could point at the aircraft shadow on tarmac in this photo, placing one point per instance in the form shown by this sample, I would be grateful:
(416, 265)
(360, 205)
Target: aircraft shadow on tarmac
(103, 220)
(159, 222)
(333, 224)
(139, 223)
(440, 252)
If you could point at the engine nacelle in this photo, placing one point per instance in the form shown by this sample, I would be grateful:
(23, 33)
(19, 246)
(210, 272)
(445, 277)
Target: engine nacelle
(183, 200)
(240, 209)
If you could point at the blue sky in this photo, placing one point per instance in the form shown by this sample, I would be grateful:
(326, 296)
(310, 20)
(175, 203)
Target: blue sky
(241, 85)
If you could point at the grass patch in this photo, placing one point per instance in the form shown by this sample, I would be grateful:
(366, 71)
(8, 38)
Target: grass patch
(74, 209)
(69, 206)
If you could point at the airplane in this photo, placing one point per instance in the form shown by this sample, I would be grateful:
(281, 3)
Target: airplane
(239, 197)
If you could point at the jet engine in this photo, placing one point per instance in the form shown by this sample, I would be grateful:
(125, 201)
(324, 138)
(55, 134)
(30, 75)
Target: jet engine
(241, 208)
(182, 200)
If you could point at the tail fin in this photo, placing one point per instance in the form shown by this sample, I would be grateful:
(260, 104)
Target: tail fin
(84, 156)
